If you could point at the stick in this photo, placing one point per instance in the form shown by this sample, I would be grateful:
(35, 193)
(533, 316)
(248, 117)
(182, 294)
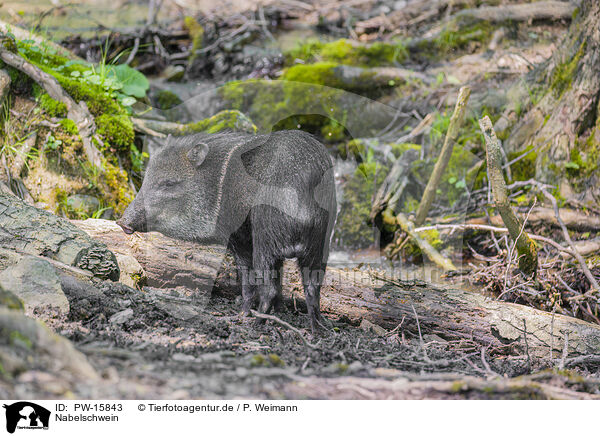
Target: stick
(496, 230)
(284, 324)
(433, 255)
(442, 162)
(526, 248)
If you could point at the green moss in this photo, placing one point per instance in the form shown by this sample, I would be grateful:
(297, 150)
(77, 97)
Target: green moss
(19, 339)
(117, 130)
(53, 108)
(320, 73)
(458, 386)
(562, 76)
(352, 227)
(347, 52)
(222, 121)
(119, 194)
(275, 360)
(523, 169)
(166, 99)
(457, 36)
(10, 300)
(196, 32)
(68, 126)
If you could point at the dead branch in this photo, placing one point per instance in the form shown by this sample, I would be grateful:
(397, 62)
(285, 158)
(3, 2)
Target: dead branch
(542, 10)
(525, 246)
(432, 254)
(284, 324)
(442, 161)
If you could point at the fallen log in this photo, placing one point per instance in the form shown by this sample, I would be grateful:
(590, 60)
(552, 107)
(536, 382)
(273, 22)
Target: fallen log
(166, 262)
(25, 229)
(355, 296)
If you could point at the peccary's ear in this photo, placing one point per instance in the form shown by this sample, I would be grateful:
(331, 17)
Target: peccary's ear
(198, 153)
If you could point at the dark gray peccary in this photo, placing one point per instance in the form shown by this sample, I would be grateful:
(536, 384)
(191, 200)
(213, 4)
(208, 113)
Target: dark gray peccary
(268, 197)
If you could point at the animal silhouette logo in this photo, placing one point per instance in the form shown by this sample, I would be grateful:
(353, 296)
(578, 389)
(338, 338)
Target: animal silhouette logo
(26, 415)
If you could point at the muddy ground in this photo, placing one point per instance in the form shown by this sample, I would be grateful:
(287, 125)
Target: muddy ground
(164, 344)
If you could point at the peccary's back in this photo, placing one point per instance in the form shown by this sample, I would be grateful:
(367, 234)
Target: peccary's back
(288, 158)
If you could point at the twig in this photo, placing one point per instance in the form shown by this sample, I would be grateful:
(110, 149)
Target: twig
(565, 352)
(586, 271)
(284, 324)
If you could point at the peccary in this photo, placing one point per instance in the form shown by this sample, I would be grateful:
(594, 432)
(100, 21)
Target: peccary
(267, 197)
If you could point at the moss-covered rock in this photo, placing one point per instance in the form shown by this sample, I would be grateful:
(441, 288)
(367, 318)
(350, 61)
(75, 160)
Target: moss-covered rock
(225, 120)
(348, 52)
(352, 227)
(166, 99)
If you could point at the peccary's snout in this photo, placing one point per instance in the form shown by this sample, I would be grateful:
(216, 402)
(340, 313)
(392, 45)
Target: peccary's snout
(134, 217)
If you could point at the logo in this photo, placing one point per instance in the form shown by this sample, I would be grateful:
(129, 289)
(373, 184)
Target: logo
(26, 415)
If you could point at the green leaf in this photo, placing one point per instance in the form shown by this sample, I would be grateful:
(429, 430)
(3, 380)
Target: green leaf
(128, 101)
(134, 82)
(460, 184)
(75, 73)
(452, 180)
(572, 165)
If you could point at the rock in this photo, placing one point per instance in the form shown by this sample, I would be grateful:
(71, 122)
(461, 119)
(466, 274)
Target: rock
(86, 204)
(10, 300)
(173, 73)
(400, 4)
(121, 317)
(36, 283)
(368, 326)
(132, 272)
(31, 345)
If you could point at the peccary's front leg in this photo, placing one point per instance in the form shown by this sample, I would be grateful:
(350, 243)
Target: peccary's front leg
(248, 288)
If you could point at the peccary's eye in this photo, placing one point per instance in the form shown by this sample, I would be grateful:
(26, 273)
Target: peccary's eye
(168, 184)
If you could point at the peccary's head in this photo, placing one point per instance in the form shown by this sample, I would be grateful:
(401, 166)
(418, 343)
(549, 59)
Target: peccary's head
(176, 197)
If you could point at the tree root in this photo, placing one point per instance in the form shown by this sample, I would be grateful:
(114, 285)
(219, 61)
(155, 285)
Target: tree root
(79, 113)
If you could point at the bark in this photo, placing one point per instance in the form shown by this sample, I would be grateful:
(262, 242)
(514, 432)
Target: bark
(566, 115)
(27, 230)
(356, 296)
(525, 246)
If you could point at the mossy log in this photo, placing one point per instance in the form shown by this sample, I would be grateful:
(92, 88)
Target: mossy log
(25, 229)
(356, 296)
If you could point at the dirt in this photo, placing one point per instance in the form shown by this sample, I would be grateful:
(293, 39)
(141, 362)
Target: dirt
(169, 345)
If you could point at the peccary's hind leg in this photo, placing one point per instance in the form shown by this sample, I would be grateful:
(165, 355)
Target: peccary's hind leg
(312, 270)
(269, 290)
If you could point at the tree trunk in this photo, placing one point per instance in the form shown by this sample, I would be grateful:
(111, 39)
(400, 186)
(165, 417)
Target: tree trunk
(563, 125)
